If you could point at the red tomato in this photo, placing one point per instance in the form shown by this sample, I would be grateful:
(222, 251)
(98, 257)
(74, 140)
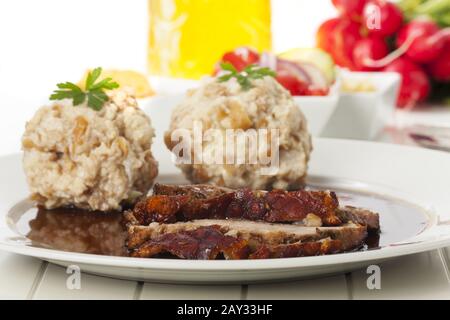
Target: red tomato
(241, 57)
(292, 83)
(317, 91)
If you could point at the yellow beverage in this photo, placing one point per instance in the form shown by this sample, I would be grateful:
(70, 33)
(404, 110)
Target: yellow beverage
(187, 37)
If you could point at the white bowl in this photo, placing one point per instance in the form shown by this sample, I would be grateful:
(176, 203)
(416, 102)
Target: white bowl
(318, 109)
(361, 115)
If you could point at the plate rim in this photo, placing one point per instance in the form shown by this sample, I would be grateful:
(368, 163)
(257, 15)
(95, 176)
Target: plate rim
(226, 265)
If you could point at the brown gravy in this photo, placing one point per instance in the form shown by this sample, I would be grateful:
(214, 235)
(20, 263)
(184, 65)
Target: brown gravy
(79, 231)
(105, 234)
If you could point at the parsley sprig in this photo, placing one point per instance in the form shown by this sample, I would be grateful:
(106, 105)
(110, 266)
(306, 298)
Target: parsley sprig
(94, 91)
(245, 77)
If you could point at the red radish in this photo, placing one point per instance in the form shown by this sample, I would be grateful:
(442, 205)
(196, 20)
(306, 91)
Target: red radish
(407, 44)
(382, 18)
(440, 67)
(415, 85)
(241, 57)
(352, 9)
(368, 50)
(428, 40)
(324, 34)
(346, 34)
(417, 28)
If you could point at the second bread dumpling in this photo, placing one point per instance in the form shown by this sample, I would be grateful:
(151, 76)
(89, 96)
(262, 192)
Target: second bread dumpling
(226, 107)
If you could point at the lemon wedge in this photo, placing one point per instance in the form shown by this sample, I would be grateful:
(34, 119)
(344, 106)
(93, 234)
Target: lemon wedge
(315, 56)
(133, 80)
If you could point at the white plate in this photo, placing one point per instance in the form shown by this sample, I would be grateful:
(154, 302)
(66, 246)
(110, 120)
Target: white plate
(419, 177)
(317, 109)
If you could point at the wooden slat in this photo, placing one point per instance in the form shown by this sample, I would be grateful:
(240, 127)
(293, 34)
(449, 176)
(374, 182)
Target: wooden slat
(153, 291)
(17, 275)
(53, 286)
(324, 288)
(420, 276)
(446, 253)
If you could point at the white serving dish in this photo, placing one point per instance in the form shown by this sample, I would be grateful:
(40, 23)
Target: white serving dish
(362, 115)
(317, 109)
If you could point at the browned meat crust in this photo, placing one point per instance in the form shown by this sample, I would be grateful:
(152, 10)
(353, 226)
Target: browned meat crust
(202, 191)
(360, 216)
(298, 249)
(196, 191)
(271, 206)
(204, 243)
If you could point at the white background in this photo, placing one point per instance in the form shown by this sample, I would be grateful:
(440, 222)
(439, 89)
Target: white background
(43, 42)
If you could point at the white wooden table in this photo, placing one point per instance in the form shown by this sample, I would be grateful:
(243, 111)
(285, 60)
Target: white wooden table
(421, 276)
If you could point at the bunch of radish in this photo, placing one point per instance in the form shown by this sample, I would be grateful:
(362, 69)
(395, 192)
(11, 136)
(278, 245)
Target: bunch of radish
(373, 35)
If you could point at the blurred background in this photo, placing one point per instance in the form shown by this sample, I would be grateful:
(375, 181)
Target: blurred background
(60, 38)
(48, 41)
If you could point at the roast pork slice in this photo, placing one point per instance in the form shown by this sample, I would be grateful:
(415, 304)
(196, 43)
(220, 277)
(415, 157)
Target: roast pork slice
(276, 206)
(195, 192)
(360, 216)
(256, 233)
(209, 243)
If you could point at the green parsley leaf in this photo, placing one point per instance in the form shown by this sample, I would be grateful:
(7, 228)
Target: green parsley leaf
(92, 77)
(106, 83)
(96, 99)
(226, 66)
(69, 90)
(244, 78)
(225, 77)
(95, 92)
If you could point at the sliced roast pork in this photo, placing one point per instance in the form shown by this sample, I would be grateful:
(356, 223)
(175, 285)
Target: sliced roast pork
(259, 237)
(208, 222)
(360, 216)
(270, 206)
